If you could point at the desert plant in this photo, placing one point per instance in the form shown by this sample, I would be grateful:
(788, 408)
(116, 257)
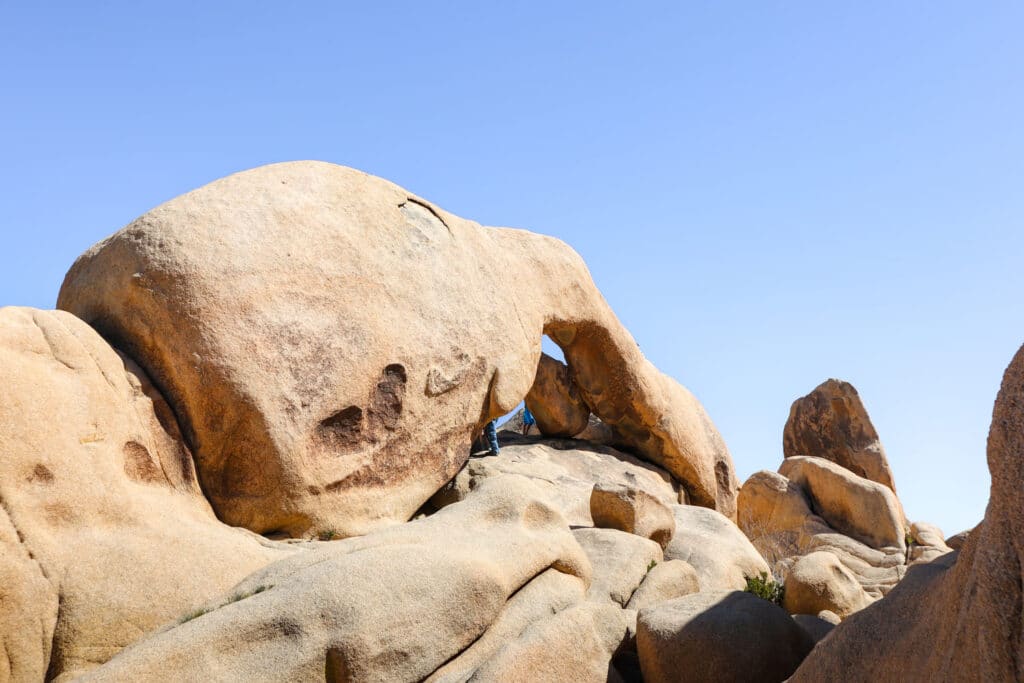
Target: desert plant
(766, 588)
(652, 565)
(328, 535)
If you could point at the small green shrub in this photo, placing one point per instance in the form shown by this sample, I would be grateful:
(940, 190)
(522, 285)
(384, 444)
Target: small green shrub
(328, 535)
(766, 588)
(652, 565)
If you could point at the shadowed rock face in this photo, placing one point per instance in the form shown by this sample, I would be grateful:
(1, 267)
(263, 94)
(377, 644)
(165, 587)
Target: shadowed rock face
(958, 617)
(832, 423)
(331, 343)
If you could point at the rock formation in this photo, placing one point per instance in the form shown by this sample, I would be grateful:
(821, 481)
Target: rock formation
(831, 423)
(555, 401)
(816, 503)
(104, 531)
(330, 344)
(959, 616)
(719, 636)
(395, 605)
(209, 474)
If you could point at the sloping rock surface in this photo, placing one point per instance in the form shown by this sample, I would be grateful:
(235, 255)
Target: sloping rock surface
(395, 605)
(715, 548)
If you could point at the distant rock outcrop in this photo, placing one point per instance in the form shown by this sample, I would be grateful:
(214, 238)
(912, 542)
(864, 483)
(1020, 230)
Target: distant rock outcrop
(959, 616)
(331, 343)
(821, 501)
(832, 423)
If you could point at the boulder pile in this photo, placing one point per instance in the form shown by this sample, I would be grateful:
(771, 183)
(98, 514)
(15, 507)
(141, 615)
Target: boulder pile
(241, 450)
(829, 520)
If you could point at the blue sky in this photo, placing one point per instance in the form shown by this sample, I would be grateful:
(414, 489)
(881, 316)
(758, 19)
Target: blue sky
(768, 194)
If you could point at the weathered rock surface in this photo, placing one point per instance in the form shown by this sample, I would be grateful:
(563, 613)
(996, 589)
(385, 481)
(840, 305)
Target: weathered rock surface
(819, 581)
(330, 344)
(395, 605)
(853, 505)
(543, 597)
(565, 471)
(831, 423)
(714, 547)
(555, 401)
(104, 532)
(633, 510)
(666, 581)
(575, 645)
(959, 616)
(719, 636)
(620, 562)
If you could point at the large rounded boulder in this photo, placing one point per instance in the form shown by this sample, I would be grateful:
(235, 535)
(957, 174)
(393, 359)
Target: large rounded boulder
(719, 636)
(331, 344)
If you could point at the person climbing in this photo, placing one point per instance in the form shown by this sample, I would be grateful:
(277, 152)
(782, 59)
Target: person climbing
(528, 420)
(491, 432)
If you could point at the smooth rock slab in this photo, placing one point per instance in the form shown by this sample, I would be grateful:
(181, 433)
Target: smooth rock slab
(394, 605)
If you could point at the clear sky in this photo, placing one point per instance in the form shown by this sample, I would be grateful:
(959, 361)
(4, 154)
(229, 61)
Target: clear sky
(768, 193)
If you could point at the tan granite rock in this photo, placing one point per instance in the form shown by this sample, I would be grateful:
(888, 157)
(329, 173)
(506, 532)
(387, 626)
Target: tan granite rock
(555, 401)
(394, 605)
(855, 506)
(714, 547)
(101, 508)
(633, 510)
(957, 618)
(831, 423)
(819, 581)
(719, 636)
(665, 581)
(331, 344)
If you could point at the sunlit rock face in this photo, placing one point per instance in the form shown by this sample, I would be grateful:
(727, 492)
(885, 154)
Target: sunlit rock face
(331, 343)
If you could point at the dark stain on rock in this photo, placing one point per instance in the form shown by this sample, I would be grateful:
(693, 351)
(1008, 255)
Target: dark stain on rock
(139, 464)
(386, 404)
(41, 474)
(342, 431)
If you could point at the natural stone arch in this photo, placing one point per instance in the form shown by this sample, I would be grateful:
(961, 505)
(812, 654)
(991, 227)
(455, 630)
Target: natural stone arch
(269, 305)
